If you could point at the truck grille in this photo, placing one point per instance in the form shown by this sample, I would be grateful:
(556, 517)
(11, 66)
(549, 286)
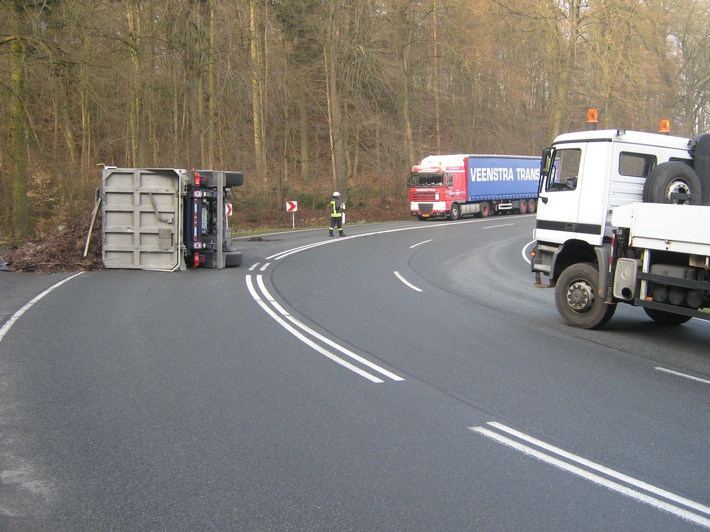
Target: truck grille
(423, 196)
(426, 208)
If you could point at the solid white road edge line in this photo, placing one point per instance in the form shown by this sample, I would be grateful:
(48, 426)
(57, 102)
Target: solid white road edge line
(682, 375)
(592, 477)
(16, 316)
(284, 254)
(315, 334)
(307, 341)
(410, 285)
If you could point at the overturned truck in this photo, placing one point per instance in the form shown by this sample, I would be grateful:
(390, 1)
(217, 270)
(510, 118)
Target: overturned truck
(167, 219)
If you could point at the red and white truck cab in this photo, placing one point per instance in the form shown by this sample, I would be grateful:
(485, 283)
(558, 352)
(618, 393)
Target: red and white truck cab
(435, 184)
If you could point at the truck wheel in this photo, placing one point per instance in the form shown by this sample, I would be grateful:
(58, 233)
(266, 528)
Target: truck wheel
(233, 179)
(665, 318)
(232, 259)
(485, 210)
(577, 297)
(531, 206)
(669, 178)
(523, 207)
(455, 211)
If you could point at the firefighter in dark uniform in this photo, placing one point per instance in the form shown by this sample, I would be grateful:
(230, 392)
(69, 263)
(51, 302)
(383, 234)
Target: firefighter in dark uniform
(336, 214)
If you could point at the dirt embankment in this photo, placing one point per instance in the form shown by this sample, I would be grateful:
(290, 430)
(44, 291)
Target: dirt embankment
(62, 249)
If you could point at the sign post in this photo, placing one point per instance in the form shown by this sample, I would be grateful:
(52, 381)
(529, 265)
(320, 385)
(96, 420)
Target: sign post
(292, 207)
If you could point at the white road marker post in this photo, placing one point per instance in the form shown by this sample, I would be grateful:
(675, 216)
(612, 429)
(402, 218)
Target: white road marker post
(292, 207)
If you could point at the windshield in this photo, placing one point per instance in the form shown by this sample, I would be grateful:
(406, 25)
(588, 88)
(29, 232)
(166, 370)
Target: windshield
(426, 180)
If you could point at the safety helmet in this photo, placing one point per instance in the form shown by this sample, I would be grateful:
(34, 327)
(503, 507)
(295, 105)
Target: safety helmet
(336, 194)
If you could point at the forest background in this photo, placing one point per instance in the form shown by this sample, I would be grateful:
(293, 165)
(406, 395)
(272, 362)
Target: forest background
(310, 96)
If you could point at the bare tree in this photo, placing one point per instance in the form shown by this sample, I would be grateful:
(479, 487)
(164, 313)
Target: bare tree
(362, 89)
(18, 131)
(690, 37)
(257, 85)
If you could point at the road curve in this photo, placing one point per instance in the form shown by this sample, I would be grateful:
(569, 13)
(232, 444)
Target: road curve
(406, 377)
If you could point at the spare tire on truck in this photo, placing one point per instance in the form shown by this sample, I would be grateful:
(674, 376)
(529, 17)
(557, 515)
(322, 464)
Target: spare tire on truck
(672, 182)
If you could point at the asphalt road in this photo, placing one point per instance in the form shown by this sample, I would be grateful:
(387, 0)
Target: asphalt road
(407, 377)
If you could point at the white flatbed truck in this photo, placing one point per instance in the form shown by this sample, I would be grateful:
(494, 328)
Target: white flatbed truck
(624, 217)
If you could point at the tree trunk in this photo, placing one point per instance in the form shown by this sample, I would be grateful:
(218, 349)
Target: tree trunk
(565, 62)
(18, 131)
(335, 113)
(303, 129)
(437, 81)
(406, 118)
(212, 85)
(256, 92)
(134, 102)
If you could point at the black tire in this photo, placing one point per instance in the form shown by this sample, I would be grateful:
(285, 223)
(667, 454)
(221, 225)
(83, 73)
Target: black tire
(232, 259)
(666, 318)
(577, 297)
(455, 212)
(485, 210)
(523, 207)
(233, 179)
(672, 177)
(532, 206)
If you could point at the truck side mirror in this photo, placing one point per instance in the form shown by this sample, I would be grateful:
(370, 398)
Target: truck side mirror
(548, 156)
(546, 162)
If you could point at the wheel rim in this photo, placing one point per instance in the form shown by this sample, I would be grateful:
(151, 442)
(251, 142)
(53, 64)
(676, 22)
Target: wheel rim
(580, 296)
(677, 186)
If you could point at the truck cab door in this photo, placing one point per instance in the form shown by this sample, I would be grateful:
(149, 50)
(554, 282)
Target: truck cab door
(559, 197)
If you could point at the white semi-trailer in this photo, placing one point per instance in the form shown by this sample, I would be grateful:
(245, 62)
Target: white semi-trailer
(624, 217)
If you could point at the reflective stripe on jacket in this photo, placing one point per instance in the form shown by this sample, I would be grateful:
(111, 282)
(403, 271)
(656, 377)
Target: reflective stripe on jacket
(335, 208)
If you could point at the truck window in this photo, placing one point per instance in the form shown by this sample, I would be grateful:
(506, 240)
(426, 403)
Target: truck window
(636, 164)
(425, 180)
(449, 180)
(565, 170)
